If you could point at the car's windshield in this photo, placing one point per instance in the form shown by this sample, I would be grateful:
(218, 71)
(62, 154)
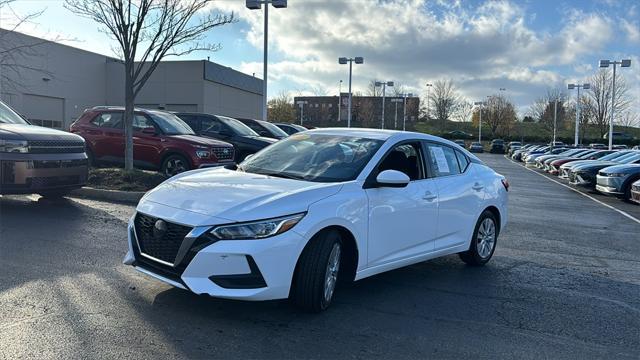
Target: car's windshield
(586, 154)
(8, 116)
(274, 129)
(238, 127)
(171, 124)
(613, 156)
(629, 158)
(314, 157)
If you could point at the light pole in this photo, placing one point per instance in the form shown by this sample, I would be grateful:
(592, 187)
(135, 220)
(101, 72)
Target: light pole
(481, 104)
(384, 85)
(555, 120)
(257, 5)
(395, 119)
(428, 101)
(404, 110)
(578, 106)
(301, 104)
(340, 101)
(344, 61)
(604, 64)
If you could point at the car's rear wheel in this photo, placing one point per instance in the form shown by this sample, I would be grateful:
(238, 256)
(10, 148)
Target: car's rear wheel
(174, 164)
(317, 272)
(483, 243)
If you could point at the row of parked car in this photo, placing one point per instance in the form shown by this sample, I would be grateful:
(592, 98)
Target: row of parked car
(51, 162)
(613, 172)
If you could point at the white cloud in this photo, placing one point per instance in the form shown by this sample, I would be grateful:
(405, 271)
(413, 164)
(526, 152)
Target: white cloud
(632, 31)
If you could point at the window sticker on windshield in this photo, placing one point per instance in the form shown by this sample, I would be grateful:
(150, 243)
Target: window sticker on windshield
(441, 160)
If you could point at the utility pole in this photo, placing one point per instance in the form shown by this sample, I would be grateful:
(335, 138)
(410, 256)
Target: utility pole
(384, 85)
(603, 64)
(340, 101)
(578, 108)
(344, 61)
(301, 104)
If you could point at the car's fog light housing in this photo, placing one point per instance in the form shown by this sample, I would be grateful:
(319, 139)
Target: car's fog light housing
(257, 229)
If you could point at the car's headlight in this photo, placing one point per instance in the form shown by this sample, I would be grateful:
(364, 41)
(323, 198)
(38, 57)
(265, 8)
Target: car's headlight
(203, 153)
(615, 175)
(14, 146)
(257, 229)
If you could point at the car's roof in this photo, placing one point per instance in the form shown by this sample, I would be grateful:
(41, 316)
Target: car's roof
(377, 134)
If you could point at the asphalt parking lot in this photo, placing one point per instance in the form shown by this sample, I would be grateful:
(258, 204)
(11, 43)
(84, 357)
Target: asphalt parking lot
(564, 283)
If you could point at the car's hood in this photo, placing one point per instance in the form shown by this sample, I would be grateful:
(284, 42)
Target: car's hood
(201, 140)
(580, 163)
(237, 196)
(256, 140)
(33, 132)
(623, 169)
(594, 165)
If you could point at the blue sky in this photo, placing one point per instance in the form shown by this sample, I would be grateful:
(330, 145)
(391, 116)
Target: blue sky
(482, 45)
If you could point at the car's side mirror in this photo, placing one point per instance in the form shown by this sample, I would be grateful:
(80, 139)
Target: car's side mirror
(392, 178)
(149, 130)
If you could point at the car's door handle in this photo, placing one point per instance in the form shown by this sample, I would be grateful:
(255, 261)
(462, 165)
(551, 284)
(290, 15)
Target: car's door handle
(477, 187)
(429, 196)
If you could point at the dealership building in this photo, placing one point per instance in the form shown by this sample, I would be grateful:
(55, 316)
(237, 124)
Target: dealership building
(51, 84)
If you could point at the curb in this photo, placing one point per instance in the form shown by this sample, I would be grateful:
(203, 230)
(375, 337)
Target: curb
(131, 197)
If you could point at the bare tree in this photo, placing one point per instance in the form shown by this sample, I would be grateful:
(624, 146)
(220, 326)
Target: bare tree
(542, 110)
(463, 111)
(600, 95)
(629, 119)
(443, 98)
(373, 90)
(148, 31)
(398, 89)
(500, 115)
(281, 108)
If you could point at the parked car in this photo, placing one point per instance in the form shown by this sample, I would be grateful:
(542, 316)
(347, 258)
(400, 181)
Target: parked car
(161, 141)
(460, 142)
(476, 147)
(291, 128)
(635, 192)
(556, 144)
(513, 148)
(554, 166)
(619, 147)
(637, 147)
(543, 161)
(531, 159)
(264, 128)
(497, 146)
(39, 160)
(460, 134)
(598, 146)
(583, 173)
(616, 180)
(512, 144)
(618, 135)
(309, 211)
(245, 140)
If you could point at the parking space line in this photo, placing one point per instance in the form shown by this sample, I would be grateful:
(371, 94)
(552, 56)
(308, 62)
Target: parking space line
(624, 213)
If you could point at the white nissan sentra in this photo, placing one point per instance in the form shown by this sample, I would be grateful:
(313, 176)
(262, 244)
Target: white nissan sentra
(316, 208)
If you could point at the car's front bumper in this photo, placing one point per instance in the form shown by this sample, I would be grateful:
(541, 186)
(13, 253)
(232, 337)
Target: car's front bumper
(609, 185)
(583, 179)
(234, 269)
(635, 193)
(24, 173)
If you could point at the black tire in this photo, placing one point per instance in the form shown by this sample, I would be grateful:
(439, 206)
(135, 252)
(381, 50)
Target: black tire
(310, 280)
(53, 194)
(626, 188)
(174, 164)
(473, 256)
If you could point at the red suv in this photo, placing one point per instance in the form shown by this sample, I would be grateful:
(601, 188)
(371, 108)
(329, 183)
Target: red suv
(161, 141)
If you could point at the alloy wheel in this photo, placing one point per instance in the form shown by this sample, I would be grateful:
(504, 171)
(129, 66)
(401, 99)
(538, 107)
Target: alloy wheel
(175, 166)
(331, 273)
(486, 238)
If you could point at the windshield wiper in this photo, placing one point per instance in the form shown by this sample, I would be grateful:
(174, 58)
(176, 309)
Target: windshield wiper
(281, 175)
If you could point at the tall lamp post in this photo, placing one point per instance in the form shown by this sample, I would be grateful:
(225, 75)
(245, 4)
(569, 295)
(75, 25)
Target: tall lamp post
(578, 106)
(481, 104)
(604, 64)
(384, 85)
(428, 101)
(404, 110)
(395, 119)
(257, 5)
(340, 101)
(301, 104)
(344, 61)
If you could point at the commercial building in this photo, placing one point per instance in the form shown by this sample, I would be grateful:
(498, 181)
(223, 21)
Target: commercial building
(51, 84)
(326, 111)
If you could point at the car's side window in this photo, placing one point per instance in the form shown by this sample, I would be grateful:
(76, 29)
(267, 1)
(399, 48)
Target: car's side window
(462, 160)
(443, 160)
(406, 158)
(141, 122)
(191, 120)
(211, 125)
(108, 120)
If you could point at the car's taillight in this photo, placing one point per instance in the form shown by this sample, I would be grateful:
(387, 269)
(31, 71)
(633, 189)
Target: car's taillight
(505, 183)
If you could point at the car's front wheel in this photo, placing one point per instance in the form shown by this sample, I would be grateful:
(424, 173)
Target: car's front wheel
(483, 243)
(316, 276)
(175, 164)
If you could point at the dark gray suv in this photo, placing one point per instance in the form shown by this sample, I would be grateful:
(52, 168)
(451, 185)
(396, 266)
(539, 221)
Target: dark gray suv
(39, 160)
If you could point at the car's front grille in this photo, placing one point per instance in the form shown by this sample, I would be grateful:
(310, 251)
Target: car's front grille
(56, 146)
(158, 238)
(223, 153)
(45, 182)
(55, 164)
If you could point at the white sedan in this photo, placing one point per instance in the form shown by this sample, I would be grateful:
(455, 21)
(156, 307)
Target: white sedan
(316, 208)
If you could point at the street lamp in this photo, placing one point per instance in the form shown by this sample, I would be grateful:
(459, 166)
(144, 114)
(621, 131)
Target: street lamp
(404, 111)
(340, 101)
(395, 119)
(481, 104)
(301, 104)
(384, 85)
(344, 61)
(257, 5)
(578, 105)
(604, 64)
(428, 101)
